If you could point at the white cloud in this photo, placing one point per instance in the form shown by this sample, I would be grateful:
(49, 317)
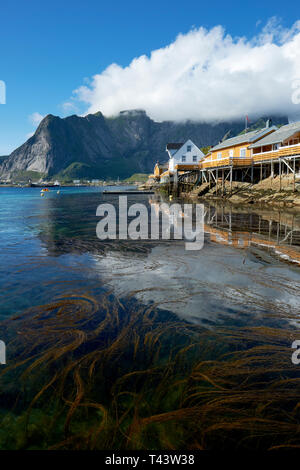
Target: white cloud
(69, 107)
(35, 118)
(204, 75)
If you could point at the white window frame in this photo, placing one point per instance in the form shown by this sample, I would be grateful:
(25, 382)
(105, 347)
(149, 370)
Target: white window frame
(195, 158)
(231, 153)
(183, 158)
(219, 155)
(189, 148)
(243, 152)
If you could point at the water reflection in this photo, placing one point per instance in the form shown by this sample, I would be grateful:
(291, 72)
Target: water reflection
(238, 277)
(93, 371)
(277, 231)
(247, 272)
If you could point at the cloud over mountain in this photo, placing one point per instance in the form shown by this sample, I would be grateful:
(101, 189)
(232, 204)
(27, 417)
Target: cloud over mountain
(36, 118)
(204, 75)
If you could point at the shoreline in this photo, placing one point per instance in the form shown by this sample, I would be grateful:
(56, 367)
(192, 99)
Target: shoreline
(271, 193)
(71, 185)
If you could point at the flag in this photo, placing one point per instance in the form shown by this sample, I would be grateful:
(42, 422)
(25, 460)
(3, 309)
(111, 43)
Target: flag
(247, 121)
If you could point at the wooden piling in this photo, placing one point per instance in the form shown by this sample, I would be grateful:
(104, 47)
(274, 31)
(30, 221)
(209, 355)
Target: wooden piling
(261, 175)
(279, 175)
(272, 172)
(294, 175)
(223, 182)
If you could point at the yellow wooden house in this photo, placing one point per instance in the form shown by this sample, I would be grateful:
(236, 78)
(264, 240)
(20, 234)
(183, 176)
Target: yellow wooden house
(159, 169)
(235, 151)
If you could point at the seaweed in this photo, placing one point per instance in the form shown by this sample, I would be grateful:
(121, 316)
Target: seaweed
(108, 373)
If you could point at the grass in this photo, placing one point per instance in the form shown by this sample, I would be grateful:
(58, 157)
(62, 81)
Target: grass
(23, 175)
(138, 177)
(77, 170)
(109, 169)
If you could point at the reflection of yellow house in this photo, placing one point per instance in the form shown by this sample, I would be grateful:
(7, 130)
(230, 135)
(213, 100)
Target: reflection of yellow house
(246, 239)
(235, 151)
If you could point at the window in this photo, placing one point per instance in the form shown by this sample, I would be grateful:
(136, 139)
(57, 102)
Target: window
(195, 158)
(231, 153)
(183, 158)
(219, 155)
(243, 153)
(188, 148)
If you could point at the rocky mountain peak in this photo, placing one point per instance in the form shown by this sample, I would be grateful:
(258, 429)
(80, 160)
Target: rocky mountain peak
(95, 146)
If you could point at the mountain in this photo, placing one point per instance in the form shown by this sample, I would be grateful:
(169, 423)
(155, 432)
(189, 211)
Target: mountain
(98, 147)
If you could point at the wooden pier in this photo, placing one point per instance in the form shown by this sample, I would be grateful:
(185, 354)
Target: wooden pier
(128, 192)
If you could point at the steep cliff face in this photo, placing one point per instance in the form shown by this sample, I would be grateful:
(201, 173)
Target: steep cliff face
(97, 147)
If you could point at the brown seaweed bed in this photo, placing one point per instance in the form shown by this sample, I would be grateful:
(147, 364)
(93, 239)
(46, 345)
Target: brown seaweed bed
(109, 373)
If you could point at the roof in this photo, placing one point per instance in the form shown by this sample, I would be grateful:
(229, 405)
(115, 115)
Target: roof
(240, 139)
(174, 146)
(279, 135)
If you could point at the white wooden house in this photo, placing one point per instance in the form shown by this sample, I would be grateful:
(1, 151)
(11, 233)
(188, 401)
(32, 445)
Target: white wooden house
(183, 157)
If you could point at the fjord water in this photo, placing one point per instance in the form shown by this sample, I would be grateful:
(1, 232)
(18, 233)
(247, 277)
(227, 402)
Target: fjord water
(248, 269)
(143, 344)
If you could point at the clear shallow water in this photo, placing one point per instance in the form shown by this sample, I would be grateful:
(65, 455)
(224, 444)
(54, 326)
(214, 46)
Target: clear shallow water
(247, 273)
(90, 347)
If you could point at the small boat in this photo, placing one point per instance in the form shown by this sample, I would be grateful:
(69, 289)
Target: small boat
(44, 190)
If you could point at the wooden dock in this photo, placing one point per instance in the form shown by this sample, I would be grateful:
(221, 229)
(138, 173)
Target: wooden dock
(127, 192)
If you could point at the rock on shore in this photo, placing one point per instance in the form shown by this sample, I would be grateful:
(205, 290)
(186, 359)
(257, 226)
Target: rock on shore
(266, 191)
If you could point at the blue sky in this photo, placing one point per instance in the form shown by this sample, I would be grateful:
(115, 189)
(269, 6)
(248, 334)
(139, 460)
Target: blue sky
(47, 49)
